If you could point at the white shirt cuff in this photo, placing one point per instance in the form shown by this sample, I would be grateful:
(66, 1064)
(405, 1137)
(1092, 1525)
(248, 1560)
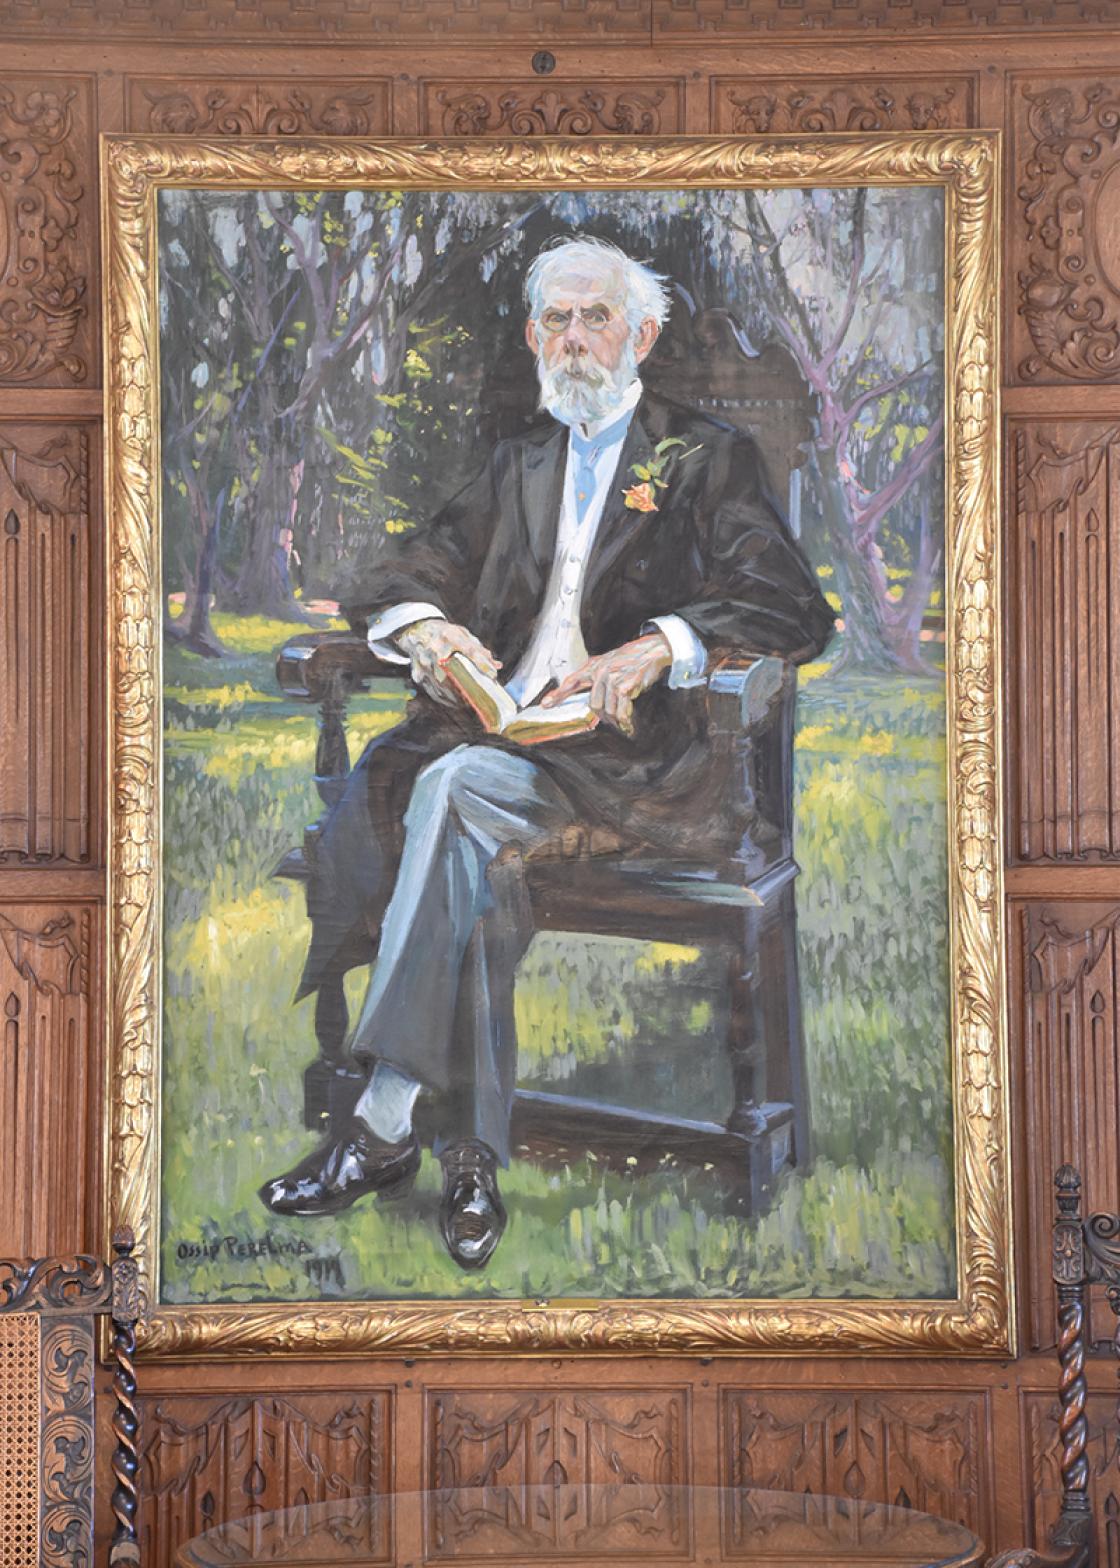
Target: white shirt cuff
(690, 657)
(384, 627)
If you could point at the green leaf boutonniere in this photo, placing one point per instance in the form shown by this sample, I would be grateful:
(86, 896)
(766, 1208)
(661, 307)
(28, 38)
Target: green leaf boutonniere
(654, 474)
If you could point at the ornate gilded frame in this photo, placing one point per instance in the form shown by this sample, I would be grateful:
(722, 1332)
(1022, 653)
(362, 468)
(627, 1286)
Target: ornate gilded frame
(966, 165)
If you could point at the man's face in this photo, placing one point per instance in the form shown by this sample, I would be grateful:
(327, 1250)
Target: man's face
(582, 326)
(587, 354)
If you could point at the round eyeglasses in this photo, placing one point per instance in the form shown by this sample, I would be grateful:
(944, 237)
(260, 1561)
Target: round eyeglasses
(594, 318)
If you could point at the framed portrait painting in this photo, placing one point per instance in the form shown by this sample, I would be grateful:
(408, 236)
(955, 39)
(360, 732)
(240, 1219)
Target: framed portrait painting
(555, 883)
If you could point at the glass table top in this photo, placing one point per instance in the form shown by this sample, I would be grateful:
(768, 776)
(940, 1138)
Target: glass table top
(589, 1525)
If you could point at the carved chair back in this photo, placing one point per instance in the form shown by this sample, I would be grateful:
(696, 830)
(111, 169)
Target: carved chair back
(48, 1312)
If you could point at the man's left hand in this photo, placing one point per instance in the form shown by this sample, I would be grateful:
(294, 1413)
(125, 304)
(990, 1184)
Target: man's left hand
(616, 679)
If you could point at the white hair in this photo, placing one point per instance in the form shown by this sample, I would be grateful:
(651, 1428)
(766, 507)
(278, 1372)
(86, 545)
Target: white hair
(645, 296)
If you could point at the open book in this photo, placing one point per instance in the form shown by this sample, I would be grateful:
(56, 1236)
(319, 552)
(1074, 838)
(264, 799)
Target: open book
(500, 715)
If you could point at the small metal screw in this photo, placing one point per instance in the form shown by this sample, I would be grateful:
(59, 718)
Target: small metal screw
(543, 62)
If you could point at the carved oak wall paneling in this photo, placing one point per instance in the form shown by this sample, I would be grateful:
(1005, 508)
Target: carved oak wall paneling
(50, 582)
(759, 106)
(919, 1449)
(547, 107)
(1064, 664)
(48, 231)
(1042, 1453)
(679, 20)
(1070, 1065)
(48, 1140)
(514, 1437)
(354, 21)
(209, 1459)
(227, 106)
(1065, 206)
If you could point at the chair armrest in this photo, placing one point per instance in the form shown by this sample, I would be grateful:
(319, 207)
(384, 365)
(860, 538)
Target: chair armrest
(315, 665)
(743, 693)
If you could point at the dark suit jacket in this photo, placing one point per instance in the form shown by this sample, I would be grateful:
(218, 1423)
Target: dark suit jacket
(716, 552)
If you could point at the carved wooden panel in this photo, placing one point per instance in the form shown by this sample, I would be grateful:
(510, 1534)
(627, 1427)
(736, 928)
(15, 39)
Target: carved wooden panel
(48, 231)
(759, 106)
(1065, 193)
(922, 1450)
(546, 107)
(294, 21)
(1071, 1077)
(511, 1437)
(50, 789)
(213, 1459)
(223, 106)
(67, 1444)
(48, 1140)
(726, 18)
(1064, 664)
(1043, 1486)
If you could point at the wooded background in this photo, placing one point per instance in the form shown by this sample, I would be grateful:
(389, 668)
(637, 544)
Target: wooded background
(976, 1442)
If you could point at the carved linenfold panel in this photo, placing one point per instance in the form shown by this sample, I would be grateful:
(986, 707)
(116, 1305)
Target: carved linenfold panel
(47, 1147)
(48, 237)
(372, 21)
(511, 1438)
(913, 1448)
(1042, 1451)
(1071, 1069)
(678, 19)
(760, 106)
(210, 1460)
(1064, 582)
(49, 580)
(553, 108)
(66, 1463)
(1066, 189)
(228, 107)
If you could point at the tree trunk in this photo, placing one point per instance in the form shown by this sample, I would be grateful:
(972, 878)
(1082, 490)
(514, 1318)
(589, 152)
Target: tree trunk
(263, 585)
(192, 630)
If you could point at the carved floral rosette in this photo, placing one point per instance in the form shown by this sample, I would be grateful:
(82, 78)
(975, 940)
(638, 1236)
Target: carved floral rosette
(965, 164)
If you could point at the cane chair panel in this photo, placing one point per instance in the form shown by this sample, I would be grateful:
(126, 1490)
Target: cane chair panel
(19, 1439)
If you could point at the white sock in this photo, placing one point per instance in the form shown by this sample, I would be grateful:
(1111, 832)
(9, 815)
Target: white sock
(386, 1103)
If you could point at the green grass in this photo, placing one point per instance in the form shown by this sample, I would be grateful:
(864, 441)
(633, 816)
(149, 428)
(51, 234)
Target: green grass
(635, 1021)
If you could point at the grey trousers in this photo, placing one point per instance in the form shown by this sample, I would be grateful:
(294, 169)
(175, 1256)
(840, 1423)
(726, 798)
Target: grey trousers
(440, 1000)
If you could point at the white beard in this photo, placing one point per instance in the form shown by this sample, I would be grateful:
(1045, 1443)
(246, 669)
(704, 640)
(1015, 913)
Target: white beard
(581, 392)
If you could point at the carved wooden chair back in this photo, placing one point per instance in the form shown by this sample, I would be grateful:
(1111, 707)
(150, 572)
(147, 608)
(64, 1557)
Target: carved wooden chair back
(1086, 1251)
(48, 1312)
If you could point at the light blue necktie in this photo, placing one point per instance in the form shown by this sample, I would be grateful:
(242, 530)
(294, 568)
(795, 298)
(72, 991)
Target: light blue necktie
(588, 451)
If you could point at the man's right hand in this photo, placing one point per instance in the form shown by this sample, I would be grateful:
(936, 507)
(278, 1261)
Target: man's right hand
(429, 644)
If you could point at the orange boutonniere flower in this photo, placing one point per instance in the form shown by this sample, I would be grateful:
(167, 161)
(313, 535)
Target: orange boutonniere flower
(642, 497)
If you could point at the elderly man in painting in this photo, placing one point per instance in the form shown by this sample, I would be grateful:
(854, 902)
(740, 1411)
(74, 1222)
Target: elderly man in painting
(612, 552)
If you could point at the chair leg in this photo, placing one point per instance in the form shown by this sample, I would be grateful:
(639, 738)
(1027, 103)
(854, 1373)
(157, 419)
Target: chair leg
(331, 1083)
(782, 1024)
(745, 1036)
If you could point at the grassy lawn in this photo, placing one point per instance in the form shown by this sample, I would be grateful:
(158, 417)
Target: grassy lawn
(636, 1021)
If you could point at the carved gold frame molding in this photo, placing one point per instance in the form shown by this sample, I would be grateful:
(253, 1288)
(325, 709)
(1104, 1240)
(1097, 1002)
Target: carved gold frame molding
(966, 165)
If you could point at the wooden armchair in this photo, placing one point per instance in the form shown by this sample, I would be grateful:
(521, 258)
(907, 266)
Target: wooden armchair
(586, 881)
(47, 1361)
(1085, 1252)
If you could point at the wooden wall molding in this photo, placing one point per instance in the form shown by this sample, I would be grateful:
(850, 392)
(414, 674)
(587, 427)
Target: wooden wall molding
(680, 19)
(759, 106)
(210, 1459)
(546, 107)
(48, 1076)
(514, 1437)
(919, 1449)
(280, 106)
(1066, 194)
(48, 233)
(1063, 578)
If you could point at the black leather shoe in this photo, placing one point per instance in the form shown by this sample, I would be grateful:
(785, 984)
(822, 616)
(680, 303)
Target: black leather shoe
(472, 1216)
(340, 1172)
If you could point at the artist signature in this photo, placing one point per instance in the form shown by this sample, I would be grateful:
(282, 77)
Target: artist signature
(319, 1270)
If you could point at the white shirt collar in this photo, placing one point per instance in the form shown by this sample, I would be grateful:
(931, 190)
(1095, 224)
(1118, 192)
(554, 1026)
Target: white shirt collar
(629, 399)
